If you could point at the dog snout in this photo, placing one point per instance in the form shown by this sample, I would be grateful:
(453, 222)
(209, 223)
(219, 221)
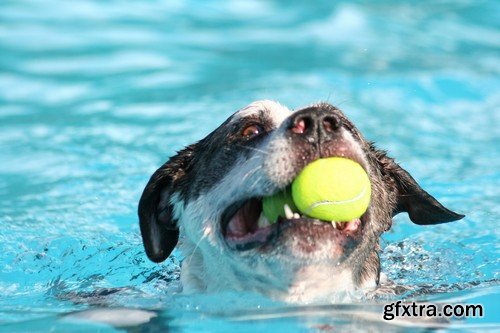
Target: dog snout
(314, 125)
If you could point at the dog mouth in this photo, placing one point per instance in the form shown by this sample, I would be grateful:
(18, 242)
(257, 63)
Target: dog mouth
(245, 227)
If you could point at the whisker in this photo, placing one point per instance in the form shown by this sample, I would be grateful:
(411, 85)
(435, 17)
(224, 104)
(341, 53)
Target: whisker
(255, 149)
(255, 183)
(205, 235)
(329, 96)
(251, 172)
(342, 102)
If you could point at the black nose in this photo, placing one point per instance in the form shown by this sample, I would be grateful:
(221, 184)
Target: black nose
(315, 124)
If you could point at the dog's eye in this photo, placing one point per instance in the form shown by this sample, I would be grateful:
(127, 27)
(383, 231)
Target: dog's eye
(252, 131)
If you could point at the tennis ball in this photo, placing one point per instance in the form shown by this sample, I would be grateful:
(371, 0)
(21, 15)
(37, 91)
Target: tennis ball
(332, 189)
(272, 206)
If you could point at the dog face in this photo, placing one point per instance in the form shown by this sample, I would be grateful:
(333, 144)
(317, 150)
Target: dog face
(211, 194)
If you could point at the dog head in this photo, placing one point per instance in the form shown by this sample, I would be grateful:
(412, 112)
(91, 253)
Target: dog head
(211, 194)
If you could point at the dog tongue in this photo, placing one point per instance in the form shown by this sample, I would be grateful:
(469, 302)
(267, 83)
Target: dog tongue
(237, 227)
(352, 225)
(245, 220)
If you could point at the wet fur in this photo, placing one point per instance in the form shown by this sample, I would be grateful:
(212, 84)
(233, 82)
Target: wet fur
(186, 196)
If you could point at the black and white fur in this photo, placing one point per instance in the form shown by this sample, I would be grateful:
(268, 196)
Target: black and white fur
(194, 194)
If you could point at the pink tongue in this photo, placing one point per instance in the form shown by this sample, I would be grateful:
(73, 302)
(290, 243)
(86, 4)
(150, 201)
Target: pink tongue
(237, 226)
(352, 225)
(245, 220)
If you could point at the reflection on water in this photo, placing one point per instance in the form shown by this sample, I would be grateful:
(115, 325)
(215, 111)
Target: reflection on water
(95, 95)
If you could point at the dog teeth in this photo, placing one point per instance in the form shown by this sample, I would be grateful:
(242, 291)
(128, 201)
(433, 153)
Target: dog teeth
(263, 221)
(288, 212)
(296, 215)
(341, 225)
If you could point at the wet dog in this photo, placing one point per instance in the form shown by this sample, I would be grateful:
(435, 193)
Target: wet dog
(210, 194)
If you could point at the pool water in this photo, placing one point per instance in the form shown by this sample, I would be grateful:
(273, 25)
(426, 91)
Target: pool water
(95, 95)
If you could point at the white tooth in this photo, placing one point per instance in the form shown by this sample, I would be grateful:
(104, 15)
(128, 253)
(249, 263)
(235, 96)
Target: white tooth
(288, 212)
(263, 221)
(296, 215)
(333, 223)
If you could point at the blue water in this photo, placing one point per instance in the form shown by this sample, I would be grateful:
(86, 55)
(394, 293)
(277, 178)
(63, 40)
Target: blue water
(95, 95)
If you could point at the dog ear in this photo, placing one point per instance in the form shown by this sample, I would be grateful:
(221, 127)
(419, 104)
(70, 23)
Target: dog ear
(159, 229)
(422, 208)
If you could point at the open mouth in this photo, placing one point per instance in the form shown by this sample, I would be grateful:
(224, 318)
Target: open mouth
(244, 225)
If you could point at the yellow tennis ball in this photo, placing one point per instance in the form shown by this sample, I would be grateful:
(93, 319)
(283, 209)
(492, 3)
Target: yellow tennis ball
(332, 189)
(273, 206)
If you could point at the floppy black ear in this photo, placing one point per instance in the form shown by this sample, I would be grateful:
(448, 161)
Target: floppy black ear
(422, 208)
(159, 229)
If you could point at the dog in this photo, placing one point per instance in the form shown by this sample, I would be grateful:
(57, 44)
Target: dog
(209, 196)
